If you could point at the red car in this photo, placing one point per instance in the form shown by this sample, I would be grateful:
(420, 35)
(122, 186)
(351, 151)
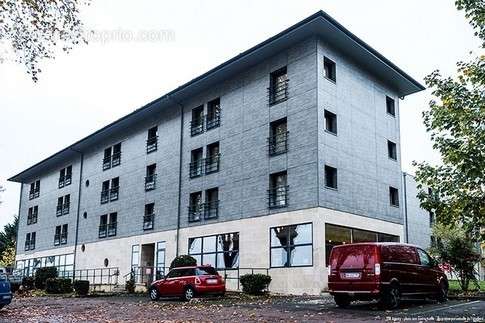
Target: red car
(187, 282)
(384, 271)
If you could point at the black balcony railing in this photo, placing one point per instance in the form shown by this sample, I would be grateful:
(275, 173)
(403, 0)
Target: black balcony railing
(65, 208)
(114, 193)
(213, 121)
(112, 161)
(104, 196)
(195, 168)
(197, 126)
(278, 144)
(278, 196)
(211, 210)
(278, 92)
(150, 182)
(112, 229)
(106, 163)
(32, 218)
(64, 181)
(29, 245)
(195, 212)
(148, 221)
(34, 194)
(212, 164)
(59, 210)
(57, 239)
(152, 144)
(103, 231)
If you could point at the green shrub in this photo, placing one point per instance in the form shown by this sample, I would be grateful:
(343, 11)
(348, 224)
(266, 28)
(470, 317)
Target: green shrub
(58, 286)
(255, 284)
(130, 285)
(81, 287)
(14, 286)
(42, 274)
(182, 261)
(28, 283)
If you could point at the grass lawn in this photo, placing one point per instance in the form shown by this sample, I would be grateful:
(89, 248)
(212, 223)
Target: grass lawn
(455, 286)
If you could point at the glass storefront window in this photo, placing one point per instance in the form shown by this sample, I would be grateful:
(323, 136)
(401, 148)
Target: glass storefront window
(220, 251)
(291, 246)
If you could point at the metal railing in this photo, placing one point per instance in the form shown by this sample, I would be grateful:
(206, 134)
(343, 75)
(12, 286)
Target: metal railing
(212, 164)
(213, 121)
(197, 126)
(64, 181)
(146, 274)
(98, 276)
(150, 182)
(211, 210)
(114, 193)
(32, 218)
(60, 239)
(195, 212)
(29, 245)
(62, 209)
(152, 144)
(278, 196)
(34, 194)
(148, 220)
(195, 168)
(278, 92)
(112, 161)
(278, 144)
(105, 196)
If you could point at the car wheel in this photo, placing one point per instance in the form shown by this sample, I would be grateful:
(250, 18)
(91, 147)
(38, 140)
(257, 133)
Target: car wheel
(154, 294)
(391, 297)
(342, 301)
(442, 292)
(189, 293)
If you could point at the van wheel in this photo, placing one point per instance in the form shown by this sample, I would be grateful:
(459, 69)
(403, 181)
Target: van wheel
(442, 292)
(153, 293)
(189, 293)
(391, 297)
(342, 301)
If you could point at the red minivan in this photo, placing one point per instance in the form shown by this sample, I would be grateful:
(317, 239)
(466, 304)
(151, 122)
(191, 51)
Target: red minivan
(384, 271)
(187, 282)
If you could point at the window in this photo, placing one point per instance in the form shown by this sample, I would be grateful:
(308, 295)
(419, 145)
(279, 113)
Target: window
(149, 216)
(291, 246)
(64, 264)
(63, 205)
(103, 226)
(278, 86)
(34, 190)
(330, 122)
(221, 251)
(152, 139)
(278, 190)
(213, 114)
(112, 224)
(211, 206)
(393, 196)
(212, 158)
(197, 123)
(30, 241)
(60, 236)
(105, 192)
(115, 189)
(65, 176)
(196, 162)
(135, 256)
(108, 225)
(330, 177)
(329, 69)
(390, 106)
(160, 261)
(278, 137)
(112, 156)
(391, 150)
(151, 177)
(32, 215)
(424, 259)
(195, 206)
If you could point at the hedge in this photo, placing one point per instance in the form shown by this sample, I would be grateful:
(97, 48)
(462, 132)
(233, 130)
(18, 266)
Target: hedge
(183, 261)
(58, 286)
(81, 287)
(42, 274)
(255, 284)
(28, 283)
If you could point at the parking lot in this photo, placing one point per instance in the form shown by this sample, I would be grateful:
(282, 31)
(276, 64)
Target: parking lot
(233, 308)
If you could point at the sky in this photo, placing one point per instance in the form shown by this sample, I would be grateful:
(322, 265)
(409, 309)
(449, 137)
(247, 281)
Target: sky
(142, 49)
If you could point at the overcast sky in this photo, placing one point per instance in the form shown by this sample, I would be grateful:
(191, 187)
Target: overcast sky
(98, 83)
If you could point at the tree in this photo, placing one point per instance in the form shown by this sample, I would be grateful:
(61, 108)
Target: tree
(455, 249)
(456, 122)
(7, 258)
(8, 236)
(32, 30)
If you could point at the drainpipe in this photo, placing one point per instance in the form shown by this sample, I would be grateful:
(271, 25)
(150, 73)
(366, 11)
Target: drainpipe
(78, 209)
(18, 224)
(406, 236)
(179, 202)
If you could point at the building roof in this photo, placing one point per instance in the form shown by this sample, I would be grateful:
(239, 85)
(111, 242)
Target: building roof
(319, 24)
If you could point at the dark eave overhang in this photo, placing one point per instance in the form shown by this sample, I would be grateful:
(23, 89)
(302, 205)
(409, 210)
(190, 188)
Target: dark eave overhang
(319, 24)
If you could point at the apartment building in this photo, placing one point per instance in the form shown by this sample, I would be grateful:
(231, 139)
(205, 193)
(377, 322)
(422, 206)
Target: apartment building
(266, 161)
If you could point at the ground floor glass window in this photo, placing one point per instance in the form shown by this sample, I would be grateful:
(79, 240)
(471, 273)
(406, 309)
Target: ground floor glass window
(220, 251)
(291, 245)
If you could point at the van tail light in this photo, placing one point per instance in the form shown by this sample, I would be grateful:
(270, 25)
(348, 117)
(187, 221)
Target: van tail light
(197, 280)
(377, 269)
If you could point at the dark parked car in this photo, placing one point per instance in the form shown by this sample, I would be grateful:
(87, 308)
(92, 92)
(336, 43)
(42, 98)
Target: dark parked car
(5, 293)
(187, 282)
(384, 271)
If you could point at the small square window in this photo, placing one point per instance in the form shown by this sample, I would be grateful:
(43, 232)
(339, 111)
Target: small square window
(329, 68)
(330, 177)
(391, 150)
(393, 196)
(330, 122)
(390, 106)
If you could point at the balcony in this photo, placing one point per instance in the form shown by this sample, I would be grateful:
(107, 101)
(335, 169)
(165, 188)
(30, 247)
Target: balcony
(195, 212)
(114, 193)
(278, 197)
(211, 210)
(57, 239)
(278, 92)
(196, 126)
(105, 196)
(65, 208)
(29, 245)
(112, 229)
(152, 144)
(34, 194)
(148, 221)
(195, 168)
(64, 181)
(278, 144)
(103, 231)
(213, 122)
(59, 210)
(116, 159)
(106, 163)
(32, 218)
(212, 164)
(150, 182)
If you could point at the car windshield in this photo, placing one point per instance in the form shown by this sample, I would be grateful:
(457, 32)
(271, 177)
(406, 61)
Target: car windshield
(201, 271)
(3, 277)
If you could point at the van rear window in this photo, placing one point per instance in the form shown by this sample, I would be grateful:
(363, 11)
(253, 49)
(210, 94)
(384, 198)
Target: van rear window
(353, 257)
